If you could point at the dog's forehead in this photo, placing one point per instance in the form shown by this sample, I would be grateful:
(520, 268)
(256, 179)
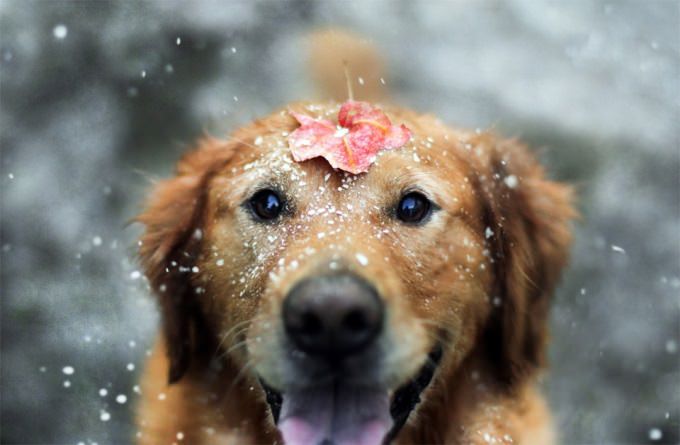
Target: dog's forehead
(431, 159)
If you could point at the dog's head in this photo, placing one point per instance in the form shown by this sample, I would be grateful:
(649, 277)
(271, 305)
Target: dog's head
(346, 295)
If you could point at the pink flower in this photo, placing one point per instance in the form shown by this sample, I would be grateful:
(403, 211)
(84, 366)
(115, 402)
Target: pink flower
(353, 144)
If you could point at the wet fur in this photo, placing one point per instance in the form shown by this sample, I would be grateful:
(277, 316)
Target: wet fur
(200, 383)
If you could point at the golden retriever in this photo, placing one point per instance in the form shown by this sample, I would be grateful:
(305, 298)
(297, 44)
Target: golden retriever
(307, 305)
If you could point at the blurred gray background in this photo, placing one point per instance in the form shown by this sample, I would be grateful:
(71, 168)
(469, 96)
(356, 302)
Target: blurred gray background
(99, 98)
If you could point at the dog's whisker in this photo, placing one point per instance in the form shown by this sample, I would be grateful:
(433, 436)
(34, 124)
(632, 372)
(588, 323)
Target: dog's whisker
(235, 346)
(219, 352)
(234, 334)
(237, 326)
(237, 329)
(241, 343)
(247, 366)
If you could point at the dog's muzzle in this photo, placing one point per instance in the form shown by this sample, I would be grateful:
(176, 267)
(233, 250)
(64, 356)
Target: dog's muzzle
(403, 402)
(334, 321)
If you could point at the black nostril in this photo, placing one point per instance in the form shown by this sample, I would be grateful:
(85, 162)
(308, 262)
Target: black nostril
(311, 324)
(355, 320)
(333, 316)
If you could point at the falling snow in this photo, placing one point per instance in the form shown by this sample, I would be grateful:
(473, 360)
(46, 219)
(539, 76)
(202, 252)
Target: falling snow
(655, 434)
(60, 31)
(362, 259)
(69, 187)
(511, 181)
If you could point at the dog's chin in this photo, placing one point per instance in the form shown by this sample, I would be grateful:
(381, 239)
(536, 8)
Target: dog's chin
(341, 412)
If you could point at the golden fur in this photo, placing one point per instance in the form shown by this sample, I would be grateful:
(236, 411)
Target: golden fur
(478, 278)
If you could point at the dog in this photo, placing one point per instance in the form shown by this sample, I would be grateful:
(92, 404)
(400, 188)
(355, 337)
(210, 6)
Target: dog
(305, 304)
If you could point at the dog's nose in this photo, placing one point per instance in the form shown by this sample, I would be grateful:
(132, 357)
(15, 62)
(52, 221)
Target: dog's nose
(333, 316)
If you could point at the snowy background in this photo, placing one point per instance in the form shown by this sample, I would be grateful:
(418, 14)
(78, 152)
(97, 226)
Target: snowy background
(98, 98)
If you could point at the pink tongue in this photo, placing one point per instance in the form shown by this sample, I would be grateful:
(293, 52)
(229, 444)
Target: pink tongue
(335, 414)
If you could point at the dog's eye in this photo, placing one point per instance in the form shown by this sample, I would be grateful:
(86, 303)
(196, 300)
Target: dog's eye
(266, 205)
(413, 208)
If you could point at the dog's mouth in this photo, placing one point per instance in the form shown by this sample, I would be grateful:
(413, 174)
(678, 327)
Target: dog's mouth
(339, 413)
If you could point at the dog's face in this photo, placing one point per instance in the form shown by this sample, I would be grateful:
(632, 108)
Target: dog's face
(344, 294)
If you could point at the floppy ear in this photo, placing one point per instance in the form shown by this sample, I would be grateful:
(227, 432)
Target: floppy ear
(530, 220)
(173, 218)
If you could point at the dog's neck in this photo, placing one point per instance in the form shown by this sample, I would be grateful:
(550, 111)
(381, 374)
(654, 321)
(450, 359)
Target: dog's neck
(209, 405)
(471, 406)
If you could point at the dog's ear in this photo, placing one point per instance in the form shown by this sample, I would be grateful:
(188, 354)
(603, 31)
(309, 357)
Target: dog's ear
(168, 248)
(529, 233)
